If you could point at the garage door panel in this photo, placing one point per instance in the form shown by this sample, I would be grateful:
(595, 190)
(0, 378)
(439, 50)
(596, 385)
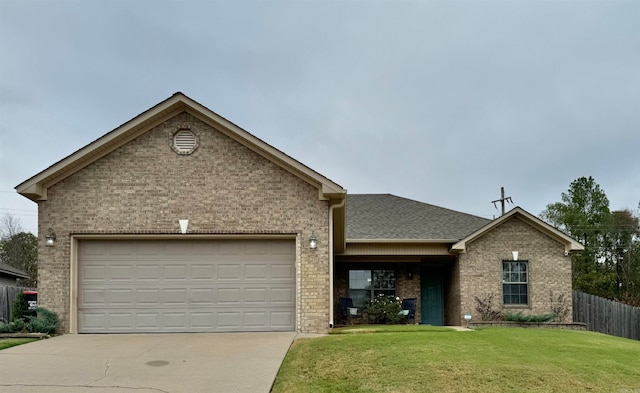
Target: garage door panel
(120, 273)
(228, 296)
(123, 297)
(282, 272)
(175, 297)
(147, 297)
(256, 272)
(202, 296)
(89, 297)
(176, 272)
(229, 272)
(281, 319)
(190, 286)
(256, 295)
(228, 248)
(93, 273)
(203, 272)
(282, 296)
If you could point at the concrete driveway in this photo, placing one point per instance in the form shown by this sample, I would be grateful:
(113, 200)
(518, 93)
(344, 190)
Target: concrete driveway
(146, 363)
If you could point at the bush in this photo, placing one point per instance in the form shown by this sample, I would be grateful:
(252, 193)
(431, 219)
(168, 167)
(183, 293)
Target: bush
(45, 321)
(20, 308)
(520, 317)
(484, 307)
(13, 327)
(384, 309)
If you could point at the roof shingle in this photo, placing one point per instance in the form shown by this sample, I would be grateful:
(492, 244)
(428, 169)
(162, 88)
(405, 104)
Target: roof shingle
(386, 216)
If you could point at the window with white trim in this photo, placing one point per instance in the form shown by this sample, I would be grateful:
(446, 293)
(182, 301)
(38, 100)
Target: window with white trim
(515, 282)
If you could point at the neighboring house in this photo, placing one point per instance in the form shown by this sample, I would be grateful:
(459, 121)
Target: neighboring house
(10, 275)
(181, 221)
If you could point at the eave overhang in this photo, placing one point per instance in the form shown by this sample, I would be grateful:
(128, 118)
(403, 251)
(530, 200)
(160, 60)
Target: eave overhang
(571, 245)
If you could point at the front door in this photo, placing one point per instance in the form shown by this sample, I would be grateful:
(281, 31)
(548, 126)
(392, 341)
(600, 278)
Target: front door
(431, 308)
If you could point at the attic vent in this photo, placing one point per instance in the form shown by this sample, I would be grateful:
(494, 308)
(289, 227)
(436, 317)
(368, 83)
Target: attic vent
(184, 141)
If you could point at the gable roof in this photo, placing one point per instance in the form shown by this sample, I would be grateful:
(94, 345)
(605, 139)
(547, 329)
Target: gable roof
(35, 188)
(570, 244)
(389, 217)
(7, 270)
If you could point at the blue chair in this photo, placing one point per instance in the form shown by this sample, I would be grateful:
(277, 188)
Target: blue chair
(346, 307)
(409, 305)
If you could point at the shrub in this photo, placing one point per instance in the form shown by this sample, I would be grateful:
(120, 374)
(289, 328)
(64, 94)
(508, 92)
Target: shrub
(45, 321)
(12, 327)
(520, 317)
(20, 308)
(484, 307)
(384, 309)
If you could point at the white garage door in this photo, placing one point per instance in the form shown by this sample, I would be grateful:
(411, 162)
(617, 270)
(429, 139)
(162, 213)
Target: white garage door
(127, 286)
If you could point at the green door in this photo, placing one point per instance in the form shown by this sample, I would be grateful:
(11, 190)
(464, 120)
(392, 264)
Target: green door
(431, 300)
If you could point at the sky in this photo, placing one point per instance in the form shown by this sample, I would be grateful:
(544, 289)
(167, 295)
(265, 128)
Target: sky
(442, 102)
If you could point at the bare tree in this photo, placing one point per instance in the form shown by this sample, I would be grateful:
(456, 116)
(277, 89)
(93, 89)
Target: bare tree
(9, 226)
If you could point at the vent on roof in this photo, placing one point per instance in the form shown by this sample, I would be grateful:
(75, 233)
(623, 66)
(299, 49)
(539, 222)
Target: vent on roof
(184, 141)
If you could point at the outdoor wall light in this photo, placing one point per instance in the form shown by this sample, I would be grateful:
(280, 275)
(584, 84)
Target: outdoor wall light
(51, 238)
(313, 242)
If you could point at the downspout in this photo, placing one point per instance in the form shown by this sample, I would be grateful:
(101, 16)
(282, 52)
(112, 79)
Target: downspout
(331, 259)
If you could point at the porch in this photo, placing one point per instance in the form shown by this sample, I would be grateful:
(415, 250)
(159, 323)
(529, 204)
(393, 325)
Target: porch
(432, 280)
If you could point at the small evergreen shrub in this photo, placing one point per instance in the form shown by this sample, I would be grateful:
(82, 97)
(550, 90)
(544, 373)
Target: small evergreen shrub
(20, 308)
(45, 321)
(384, 309)
(521, 317)
(13, 327)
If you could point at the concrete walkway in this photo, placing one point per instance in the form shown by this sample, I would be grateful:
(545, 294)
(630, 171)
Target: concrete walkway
(146, 363)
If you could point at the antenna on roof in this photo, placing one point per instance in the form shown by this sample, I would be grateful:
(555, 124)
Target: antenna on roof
(502, 200)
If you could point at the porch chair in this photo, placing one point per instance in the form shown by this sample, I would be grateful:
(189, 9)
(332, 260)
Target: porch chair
(409, 305)
(346, 310)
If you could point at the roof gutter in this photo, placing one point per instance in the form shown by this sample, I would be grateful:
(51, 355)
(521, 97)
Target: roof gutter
(331, 259)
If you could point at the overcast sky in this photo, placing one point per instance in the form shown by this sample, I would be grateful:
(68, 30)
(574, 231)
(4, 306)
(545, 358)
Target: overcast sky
(438, 101)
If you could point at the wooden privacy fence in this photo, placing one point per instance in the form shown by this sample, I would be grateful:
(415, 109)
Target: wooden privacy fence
(7, 297)
(606, 316)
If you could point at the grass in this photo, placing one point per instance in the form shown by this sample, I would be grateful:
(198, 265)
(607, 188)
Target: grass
(12, 342)
(407, 359)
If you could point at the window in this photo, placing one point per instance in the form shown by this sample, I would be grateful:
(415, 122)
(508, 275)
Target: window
(365, 284)
(515, 279)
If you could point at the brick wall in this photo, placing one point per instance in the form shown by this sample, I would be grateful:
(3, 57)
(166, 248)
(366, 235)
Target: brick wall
(223, 187)
(481, 268)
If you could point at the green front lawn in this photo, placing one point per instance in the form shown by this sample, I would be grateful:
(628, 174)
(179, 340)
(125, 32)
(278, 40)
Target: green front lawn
(12, 342)
(410, 359)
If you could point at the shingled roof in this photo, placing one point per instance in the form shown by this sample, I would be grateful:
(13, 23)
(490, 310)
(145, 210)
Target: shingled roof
(11, 271)
(386, 216)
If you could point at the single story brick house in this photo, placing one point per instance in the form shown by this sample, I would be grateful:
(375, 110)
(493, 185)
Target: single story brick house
(181, 221)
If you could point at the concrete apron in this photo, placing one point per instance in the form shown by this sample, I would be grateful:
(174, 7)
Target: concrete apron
(175, 363)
